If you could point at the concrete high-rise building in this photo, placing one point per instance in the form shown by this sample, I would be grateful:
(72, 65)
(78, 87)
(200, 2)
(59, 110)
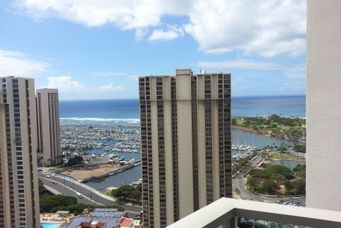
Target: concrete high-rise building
(323, 105)
(19, 196)
(185, 144)
(47, 103)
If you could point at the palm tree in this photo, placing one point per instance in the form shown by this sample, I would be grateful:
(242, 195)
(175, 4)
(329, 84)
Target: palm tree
(237, 191)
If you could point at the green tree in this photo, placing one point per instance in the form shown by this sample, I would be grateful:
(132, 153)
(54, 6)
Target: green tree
(128, 192)
(299, 186)
(237, 191)
(53, 203)
(137, 194)
(77, 160)
(288, 186)
(269, 186)
(77, 208)
(283, 148)
(281, 170)
(255, 127)
(246, 123)
(273, 126)
(258, 173)
(299, 170)
(278, 177)
(253, 184)
(300, 148)
(41, 186)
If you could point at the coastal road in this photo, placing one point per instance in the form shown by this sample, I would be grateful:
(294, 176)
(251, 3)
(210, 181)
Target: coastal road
(91, 196)
(239, 182)
(67, 191)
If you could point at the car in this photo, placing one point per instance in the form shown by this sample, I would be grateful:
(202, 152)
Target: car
(79, 195)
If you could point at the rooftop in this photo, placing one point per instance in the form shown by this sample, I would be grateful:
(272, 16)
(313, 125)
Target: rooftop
(126, 222)
(77, 221)
(107, 212)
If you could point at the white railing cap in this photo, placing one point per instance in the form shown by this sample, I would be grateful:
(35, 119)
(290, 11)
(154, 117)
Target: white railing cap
(221, 211)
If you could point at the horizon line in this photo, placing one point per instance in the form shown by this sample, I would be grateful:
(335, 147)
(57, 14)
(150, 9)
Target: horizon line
(250, 96)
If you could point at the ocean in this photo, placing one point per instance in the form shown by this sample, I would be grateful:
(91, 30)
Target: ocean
(127, 111)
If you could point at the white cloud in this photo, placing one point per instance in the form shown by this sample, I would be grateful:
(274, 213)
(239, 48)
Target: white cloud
(140, 34)
(70, 85)
(111, 88)
(164, 35)
(290, 71)
(299, 71)
(64, 83)
(239, 64)
(20, 64)
(267, 28)
(127, 14)
(297, 87)
(161, 35)
(109, 74)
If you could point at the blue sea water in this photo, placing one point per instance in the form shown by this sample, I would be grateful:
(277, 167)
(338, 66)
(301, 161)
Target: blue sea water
(127, 111)
(286, 106)
(116, 109)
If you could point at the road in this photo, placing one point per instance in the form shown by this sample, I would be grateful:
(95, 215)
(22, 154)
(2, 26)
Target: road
(239, 181)
(59, 187)
(90, 196)
(244, 193)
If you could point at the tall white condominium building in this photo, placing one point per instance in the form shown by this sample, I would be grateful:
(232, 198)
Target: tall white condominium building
(48, 126)
(323, 104)
(186, 144)
(19, 196)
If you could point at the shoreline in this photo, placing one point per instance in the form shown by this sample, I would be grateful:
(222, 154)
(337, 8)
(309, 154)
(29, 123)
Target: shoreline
(264, 134)
(108, 174)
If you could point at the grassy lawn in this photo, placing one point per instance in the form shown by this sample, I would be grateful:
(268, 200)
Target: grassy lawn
(284, 156)
(274, 125)
(109, 193)
(277, 180)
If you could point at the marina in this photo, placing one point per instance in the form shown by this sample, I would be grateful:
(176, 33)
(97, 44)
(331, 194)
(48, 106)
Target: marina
(100, 144)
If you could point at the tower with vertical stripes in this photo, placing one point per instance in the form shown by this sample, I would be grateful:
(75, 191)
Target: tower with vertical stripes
(185, 143)
(19, 195)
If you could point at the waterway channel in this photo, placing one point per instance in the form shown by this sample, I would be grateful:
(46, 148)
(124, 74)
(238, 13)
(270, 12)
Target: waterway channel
(132, 175)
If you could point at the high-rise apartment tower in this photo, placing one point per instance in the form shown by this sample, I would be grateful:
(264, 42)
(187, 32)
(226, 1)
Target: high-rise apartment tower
(48, 126)
(186, 144)
(19, 196)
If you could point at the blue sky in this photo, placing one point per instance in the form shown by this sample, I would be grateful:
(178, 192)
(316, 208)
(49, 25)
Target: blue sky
(97, 49)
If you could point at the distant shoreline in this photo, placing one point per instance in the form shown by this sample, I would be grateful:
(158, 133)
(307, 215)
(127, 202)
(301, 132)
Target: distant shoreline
(233, 97)
(292, 106)
(264, 134)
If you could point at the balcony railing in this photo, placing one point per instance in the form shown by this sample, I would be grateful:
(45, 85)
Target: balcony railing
(224, 213)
